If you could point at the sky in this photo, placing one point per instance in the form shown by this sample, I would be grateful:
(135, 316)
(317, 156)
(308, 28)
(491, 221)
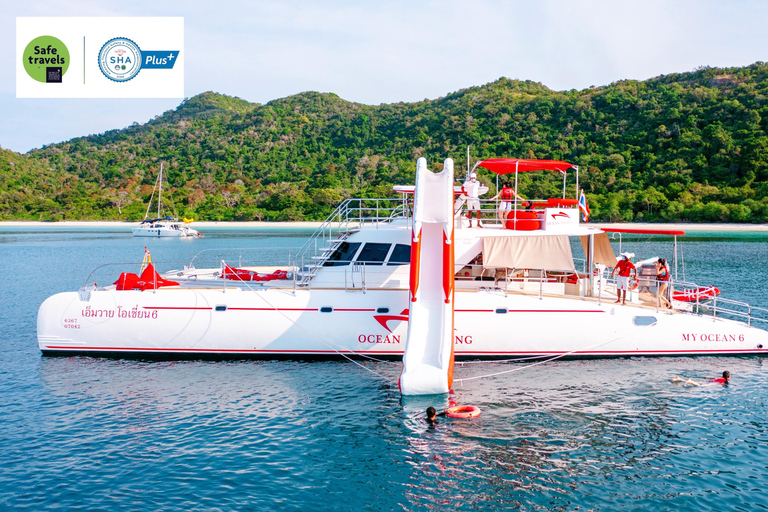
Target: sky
(385, 51)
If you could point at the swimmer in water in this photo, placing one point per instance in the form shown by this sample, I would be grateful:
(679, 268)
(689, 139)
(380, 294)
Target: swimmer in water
(725, 379)
(688, 382)
(432, 415)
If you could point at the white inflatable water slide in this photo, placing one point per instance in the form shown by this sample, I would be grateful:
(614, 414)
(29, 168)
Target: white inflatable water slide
(428, 357)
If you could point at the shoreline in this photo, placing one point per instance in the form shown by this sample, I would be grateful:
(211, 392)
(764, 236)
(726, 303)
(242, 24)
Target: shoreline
(316, 224)
(131, 224)
(680, 226)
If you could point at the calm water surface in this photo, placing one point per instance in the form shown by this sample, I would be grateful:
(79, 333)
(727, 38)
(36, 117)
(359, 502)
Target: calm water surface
(101, 434)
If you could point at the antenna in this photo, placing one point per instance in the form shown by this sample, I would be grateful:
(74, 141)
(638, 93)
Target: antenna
(467, 159)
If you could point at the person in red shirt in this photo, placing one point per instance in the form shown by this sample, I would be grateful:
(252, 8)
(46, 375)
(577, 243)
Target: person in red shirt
(506, 194)
(625, 268)
(725, 379)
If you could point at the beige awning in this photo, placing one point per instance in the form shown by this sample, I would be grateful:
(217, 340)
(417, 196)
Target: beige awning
(603, 250)
(540, 252)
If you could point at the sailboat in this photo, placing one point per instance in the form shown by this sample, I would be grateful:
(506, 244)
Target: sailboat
(162, 226)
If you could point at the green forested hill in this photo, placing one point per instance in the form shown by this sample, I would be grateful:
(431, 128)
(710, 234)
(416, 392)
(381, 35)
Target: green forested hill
(685, 147)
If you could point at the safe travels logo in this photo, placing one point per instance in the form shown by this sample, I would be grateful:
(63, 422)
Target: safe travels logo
(46, 59)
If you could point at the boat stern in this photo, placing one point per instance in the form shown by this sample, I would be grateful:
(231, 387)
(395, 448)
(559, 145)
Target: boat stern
(57, 325)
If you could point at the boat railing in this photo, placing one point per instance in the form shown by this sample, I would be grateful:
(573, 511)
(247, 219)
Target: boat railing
(239, 256)
(717, 306)
(206, 270)
(360, 275)
(113, 271)
(540, 281)
(349, 216)
(714, 305)
(490, 211)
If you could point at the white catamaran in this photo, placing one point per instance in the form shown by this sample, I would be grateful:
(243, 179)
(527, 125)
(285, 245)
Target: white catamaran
(516, 292)
(162, 226)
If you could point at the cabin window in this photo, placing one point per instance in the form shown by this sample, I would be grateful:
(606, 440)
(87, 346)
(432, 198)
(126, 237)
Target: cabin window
(326, 309)
(644, 320)
(373, 253)
(401, 255)
(382, 310)
(342, 255)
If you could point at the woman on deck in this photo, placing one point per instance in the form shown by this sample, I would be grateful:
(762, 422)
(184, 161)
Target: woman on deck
(662, 276)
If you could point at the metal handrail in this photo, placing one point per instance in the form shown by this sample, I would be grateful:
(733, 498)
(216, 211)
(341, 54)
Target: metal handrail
(229, 249)
(349, 215)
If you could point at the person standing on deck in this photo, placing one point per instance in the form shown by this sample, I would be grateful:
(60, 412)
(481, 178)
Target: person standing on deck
(506, 194)
(662, 276)
(625, 267)
(471, 189)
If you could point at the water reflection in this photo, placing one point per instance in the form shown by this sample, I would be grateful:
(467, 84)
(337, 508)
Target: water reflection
(577, 435)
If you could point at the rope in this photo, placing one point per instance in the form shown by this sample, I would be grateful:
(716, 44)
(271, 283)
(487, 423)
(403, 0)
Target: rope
(323, 340)
(495, 361)
(554, 358)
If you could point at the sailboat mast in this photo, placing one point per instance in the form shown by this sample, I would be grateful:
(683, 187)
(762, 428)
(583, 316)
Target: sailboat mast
(160, 190)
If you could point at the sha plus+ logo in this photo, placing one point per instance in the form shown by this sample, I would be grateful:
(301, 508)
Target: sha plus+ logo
(120, 59)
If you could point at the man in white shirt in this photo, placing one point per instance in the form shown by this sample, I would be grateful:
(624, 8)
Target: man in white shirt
(471, 189)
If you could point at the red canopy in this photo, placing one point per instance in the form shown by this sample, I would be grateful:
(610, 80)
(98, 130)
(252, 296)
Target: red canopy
(508, 165)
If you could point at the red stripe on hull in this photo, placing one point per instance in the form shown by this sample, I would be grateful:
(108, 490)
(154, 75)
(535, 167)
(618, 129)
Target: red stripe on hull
(399, 353)
(273, 309)
(532, 311)
(174, 307)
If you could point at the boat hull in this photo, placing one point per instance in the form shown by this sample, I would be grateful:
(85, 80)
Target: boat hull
(285, 323)
(165, 232)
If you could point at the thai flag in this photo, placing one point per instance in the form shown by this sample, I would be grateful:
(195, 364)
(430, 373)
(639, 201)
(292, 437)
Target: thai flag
(147, 259)
(583, 207)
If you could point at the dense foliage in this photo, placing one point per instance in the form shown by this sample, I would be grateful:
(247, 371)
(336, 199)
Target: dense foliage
(686, 147)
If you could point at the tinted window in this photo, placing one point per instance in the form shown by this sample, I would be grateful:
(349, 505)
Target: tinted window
(342, 255)
(374, 254)
(401, 255)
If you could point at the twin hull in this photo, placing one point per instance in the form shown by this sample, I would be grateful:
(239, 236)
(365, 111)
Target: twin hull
(320, 323)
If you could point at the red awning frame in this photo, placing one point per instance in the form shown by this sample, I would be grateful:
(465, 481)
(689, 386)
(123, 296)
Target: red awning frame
(648, 231)
(643, 231)
(517, 165)
(510, 165)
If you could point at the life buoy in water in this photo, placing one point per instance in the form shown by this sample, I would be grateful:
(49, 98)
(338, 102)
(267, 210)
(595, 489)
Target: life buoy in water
(463, 411)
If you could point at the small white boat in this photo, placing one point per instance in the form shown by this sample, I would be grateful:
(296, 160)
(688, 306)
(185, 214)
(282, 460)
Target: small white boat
(166, 227)
(162, 226)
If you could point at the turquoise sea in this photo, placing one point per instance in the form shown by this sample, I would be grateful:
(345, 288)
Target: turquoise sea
(111, 434)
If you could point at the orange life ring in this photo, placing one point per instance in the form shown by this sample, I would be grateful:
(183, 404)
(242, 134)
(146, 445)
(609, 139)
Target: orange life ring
(463, 411)
(633, 286)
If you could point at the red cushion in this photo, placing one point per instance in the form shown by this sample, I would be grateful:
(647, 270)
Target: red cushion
(526, 221)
